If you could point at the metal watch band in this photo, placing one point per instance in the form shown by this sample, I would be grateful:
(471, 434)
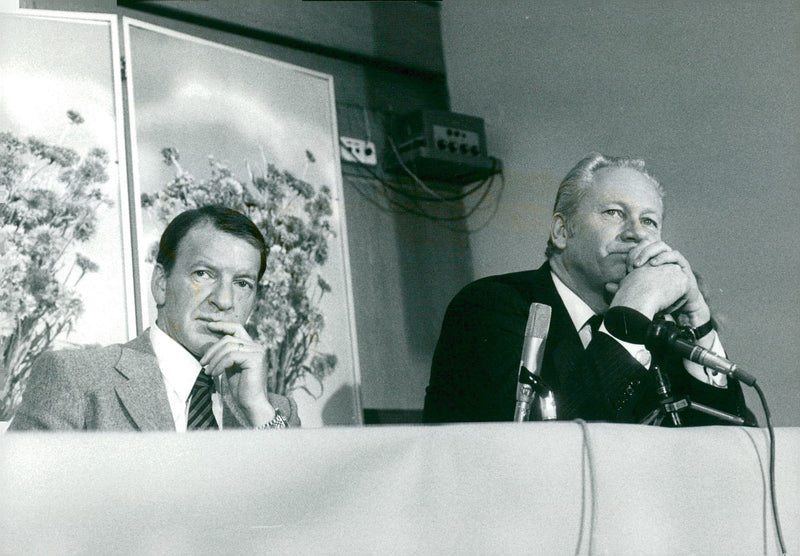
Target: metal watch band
(277, 422)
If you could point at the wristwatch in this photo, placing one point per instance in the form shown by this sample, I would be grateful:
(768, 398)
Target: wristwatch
(694, 334)
(277, 422)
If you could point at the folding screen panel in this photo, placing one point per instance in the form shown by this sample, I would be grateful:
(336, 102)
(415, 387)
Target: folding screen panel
(66, 276)
(212, 124)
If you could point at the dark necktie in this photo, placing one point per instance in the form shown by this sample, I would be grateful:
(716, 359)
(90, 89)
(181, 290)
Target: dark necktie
(201, 415)
(594, 323)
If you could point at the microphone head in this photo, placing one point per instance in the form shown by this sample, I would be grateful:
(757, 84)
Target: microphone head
(538, 320)
(627, 324)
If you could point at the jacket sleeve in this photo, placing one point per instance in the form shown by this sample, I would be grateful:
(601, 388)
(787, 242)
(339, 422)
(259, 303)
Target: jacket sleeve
(617, 388)
(51, 400)
(474, 367)
(234, 418)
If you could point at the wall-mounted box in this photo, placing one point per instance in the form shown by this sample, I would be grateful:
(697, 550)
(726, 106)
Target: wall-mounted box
(442, 146)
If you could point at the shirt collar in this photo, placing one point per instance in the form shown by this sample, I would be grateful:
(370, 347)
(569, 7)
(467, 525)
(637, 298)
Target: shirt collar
(178, 367)
(579, 311)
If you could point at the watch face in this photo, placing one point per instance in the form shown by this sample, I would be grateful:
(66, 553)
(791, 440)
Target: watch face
(687, 333)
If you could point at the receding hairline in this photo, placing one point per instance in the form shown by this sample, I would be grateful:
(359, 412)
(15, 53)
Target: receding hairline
(646, 175)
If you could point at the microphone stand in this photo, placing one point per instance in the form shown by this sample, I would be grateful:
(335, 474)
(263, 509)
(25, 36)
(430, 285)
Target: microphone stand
(667, 404)
(533, 393)
(657, 339)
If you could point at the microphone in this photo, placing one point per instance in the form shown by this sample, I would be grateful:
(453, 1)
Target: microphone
(530, 367)
(630, 325)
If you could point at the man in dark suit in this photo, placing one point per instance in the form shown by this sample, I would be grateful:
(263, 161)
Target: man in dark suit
(605, 250)
(197, 367)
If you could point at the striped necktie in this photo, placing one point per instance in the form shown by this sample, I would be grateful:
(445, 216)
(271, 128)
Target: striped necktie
(201, 415)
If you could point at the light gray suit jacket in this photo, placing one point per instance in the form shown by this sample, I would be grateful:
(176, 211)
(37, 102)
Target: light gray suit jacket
(113, 388)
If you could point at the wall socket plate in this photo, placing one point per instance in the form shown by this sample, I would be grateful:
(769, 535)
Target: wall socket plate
(358, 151)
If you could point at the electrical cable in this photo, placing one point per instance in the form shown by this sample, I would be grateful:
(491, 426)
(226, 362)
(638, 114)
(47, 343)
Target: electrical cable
(397, 207)
(416, 179)
(372, 201)
(397, 188)
(435, 195)
(771, 432)
(587, 457)
(496, 206)
(587, 450)
(442, 220)
(763, 474)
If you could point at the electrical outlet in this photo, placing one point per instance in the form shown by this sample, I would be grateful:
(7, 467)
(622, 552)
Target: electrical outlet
(358, 151)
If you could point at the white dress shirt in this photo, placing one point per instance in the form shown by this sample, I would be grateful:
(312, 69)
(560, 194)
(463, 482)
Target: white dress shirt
(179, 369)
(580, 313)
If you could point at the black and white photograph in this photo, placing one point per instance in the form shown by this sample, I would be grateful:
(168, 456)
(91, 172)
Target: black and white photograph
(399, 277)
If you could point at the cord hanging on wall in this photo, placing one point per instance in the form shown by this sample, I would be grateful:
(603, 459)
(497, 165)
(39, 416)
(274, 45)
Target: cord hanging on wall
(446, 197)
(439, 202)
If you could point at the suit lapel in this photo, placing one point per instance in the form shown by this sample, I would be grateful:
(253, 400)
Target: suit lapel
(143, 395)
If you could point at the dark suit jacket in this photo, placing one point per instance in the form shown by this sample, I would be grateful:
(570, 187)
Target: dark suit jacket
(476, 362)
(114, 388)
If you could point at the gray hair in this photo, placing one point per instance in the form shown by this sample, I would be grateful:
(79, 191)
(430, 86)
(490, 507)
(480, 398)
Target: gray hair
(580, 179)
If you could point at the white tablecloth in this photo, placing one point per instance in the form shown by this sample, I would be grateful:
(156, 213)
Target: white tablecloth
(533, 488)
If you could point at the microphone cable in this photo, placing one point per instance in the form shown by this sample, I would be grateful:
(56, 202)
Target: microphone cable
(771, 433)
(764, 488)
(587, 460)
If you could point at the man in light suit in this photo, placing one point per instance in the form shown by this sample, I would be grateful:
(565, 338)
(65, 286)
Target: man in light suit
(207, 271)
(605, 249)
